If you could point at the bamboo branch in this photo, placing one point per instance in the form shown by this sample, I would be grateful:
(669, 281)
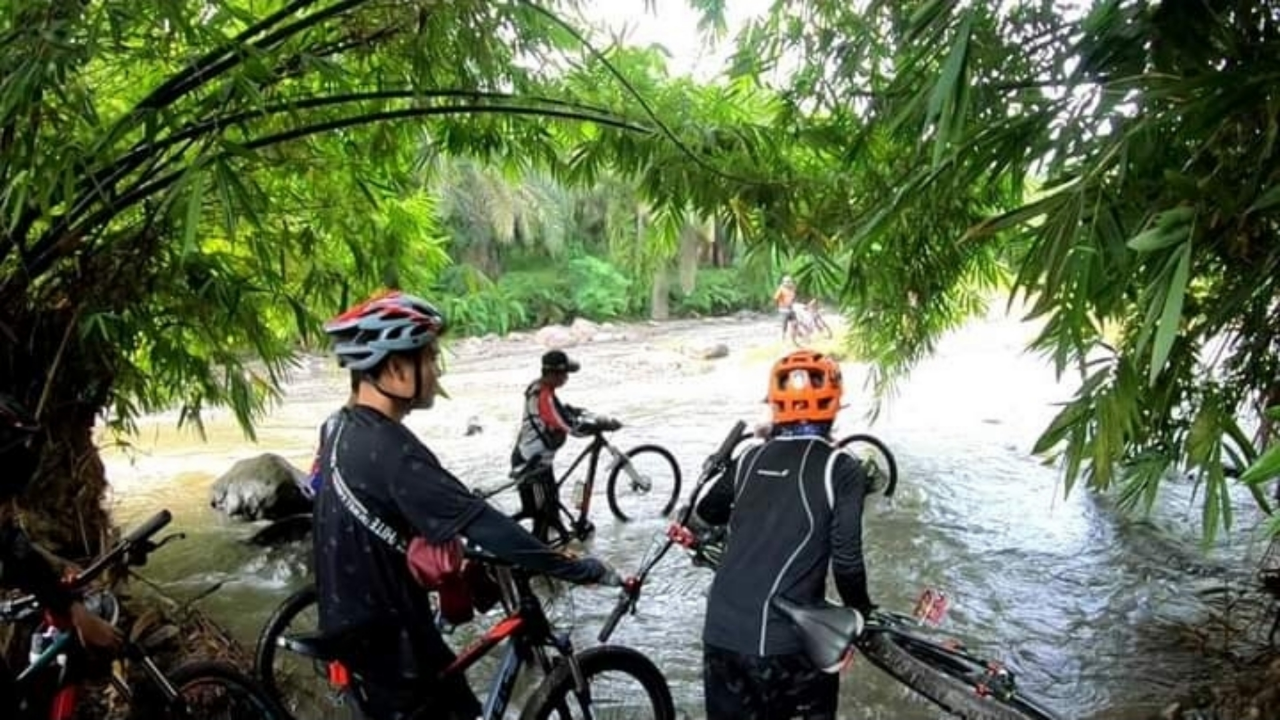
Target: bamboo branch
(56, 245)
(192, 133)
(626, 84)
(93, 181)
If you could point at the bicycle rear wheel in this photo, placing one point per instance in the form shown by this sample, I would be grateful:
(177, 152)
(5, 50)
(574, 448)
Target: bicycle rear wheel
(873, 452)
(295, 683)
(648, 696)
(216, 691)
(955, 681)
(654, 490)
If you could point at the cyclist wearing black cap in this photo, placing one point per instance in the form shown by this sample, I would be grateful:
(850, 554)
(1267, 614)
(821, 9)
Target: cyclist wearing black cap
(545, 425)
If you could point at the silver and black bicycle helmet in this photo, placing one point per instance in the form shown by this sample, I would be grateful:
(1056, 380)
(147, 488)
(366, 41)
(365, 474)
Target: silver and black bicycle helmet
(388, 324)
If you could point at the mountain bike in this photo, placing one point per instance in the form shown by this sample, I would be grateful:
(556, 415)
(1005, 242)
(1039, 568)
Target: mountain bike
(808, 321)
(943, 671)
(50, 685)
(572, 686)
(644, 470)
(877, 461)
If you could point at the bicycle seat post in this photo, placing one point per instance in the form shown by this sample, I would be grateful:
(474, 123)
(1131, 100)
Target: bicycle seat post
(507, 586)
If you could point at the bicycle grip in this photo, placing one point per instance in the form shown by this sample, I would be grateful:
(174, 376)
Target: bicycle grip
(611, 622)
(730, 442)
(152, 526)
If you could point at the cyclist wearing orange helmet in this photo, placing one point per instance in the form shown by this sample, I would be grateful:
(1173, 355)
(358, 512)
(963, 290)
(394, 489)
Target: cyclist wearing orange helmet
(793, 507)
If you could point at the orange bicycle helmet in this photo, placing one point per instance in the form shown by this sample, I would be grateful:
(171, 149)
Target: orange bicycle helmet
(805, 386)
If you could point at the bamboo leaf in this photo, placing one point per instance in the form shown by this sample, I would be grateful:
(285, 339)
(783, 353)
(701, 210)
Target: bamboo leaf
(195, 204)
(946, 99)
(1168, 228)
(1266, 467)
(1266, 200)
(1171, 318)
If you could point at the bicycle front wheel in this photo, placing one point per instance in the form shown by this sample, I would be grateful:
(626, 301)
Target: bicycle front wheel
(213, 690)
(621, 683)
(962, 685)
(646, 481)
(293, 682)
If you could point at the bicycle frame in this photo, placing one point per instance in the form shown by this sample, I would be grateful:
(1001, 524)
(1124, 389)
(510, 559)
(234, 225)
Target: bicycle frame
(66, 697)
(632, 586)
(591, 453)
(525, 631)
(578, 518)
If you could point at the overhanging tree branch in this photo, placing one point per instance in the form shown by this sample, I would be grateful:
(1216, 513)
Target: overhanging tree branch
(52, 246)
(101, 190)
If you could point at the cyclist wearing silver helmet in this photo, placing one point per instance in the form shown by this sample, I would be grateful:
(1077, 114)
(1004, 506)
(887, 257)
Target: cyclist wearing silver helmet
(366, 592)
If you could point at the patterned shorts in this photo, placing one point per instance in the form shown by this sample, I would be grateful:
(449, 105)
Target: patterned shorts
(750, 687)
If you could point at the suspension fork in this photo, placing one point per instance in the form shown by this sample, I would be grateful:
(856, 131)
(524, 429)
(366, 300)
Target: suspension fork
(581, 688)
(620, 459)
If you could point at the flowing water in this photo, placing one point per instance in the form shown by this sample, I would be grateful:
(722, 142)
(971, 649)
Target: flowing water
(1082, 600)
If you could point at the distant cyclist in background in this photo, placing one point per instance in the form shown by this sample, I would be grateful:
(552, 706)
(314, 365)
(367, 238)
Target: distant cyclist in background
(785, 298)
(794, 509)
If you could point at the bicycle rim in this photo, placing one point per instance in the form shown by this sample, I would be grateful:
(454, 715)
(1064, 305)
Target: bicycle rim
(298, 686)
(949, 678)
(622, 682)
(657, 468)
(870, 449)
(213, 691)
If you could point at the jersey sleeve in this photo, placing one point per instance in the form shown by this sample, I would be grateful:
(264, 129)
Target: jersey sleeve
(435, 502)
(849, 486)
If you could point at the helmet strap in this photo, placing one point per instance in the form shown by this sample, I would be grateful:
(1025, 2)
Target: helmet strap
(417, 384)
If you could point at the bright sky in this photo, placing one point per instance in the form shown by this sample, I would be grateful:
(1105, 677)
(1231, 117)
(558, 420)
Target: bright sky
(674, 26)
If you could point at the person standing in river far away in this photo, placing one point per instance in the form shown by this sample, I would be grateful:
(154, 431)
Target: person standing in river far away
(785, 297)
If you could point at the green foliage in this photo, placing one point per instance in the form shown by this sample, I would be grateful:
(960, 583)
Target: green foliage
(719, 292)
(187, 187)
(1149, 251)
(599, 290)
(588, 287)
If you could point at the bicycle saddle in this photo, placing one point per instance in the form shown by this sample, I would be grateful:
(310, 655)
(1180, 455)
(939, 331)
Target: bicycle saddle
(827, 631)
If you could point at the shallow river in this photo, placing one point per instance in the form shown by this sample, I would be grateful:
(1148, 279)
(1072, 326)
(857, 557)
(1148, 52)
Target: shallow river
(1085, 602)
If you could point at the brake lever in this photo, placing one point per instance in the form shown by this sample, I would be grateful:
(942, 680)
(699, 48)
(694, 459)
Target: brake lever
(137, 555)
(166, 540)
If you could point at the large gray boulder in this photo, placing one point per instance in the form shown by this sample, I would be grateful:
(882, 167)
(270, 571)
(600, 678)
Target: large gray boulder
(266, 487)
(555, 337)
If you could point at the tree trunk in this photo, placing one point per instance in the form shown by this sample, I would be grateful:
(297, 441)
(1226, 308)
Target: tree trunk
(48, 359)
(660, 300)
(692, 241)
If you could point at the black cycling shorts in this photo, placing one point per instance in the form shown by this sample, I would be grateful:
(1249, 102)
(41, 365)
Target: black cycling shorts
(751, 687)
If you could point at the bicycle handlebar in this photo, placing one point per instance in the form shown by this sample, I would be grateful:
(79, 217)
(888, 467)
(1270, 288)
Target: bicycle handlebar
(138, 541)
(721, 455)
(631, 587)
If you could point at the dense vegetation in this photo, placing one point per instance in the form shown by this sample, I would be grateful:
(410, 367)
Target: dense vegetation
(186, 188)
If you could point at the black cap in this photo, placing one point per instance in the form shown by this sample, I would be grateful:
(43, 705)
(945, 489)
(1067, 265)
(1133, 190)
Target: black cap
(557, 361)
